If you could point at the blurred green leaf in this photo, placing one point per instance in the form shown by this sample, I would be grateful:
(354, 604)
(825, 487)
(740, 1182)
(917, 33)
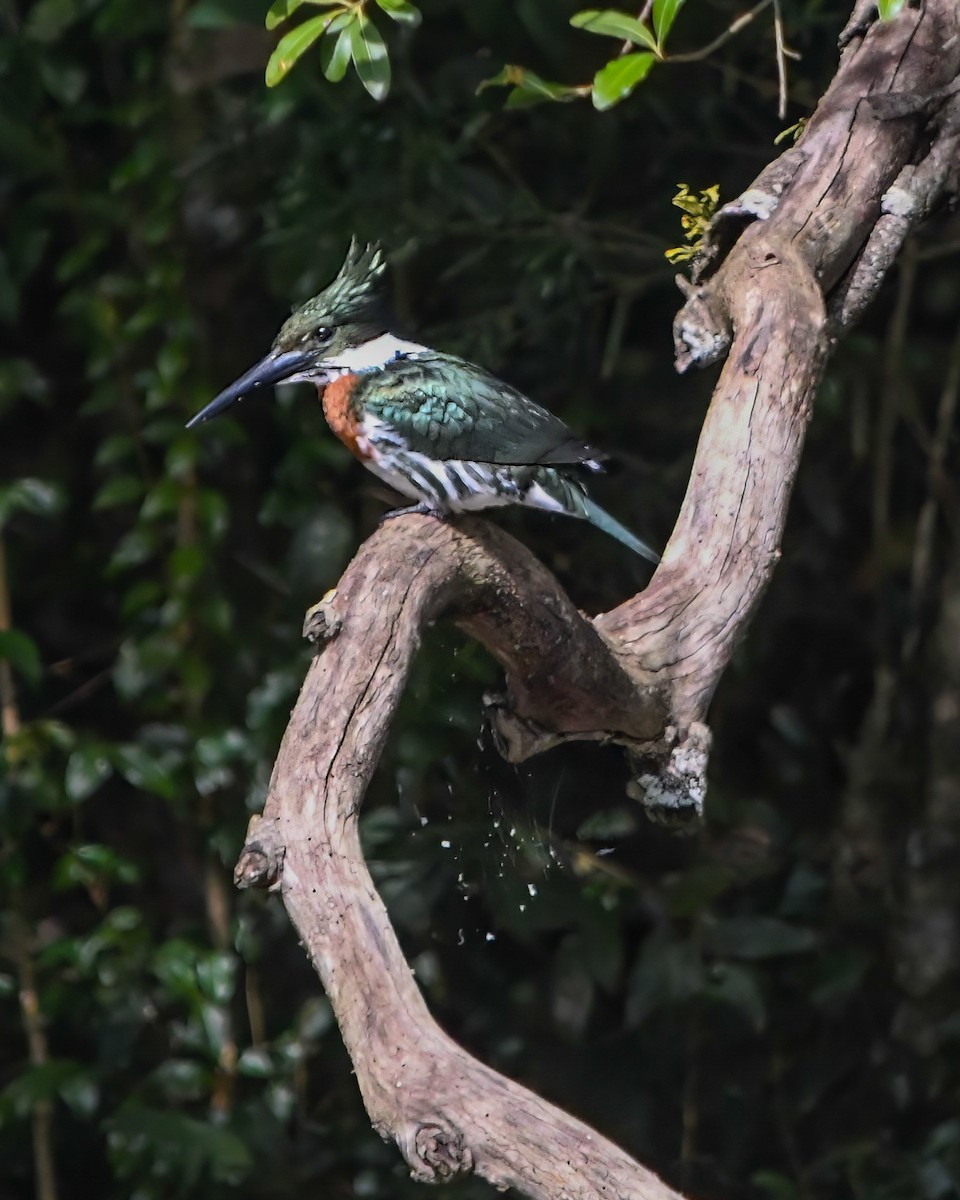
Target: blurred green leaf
(738, 987)
(143, 770)
(49, 19)
(616, 823)
(92, 864)
(181, 1079)
(216, 974)
(81, 1093)
(618, 78)
(255, 1063)
(756, 937)
(888, 9)
(58, 1078)
(21, 652)
(611, 23)
(175, 964)
(528, 88)
(88, 768)
(223, 14)
(667, 973)
(34, 496)
(175, 1147)
(123, 489)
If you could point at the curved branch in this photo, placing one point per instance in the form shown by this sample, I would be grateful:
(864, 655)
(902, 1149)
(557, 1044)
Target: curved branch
(787, 267)
(447, 1112)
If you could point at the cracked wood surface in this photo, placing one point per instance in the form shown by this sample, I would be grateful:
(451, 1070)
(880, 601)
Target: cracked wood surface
(785, 270)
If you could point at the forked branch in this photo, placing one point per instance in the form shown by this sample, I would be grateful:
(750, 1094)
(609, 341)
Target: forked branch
(787, 267)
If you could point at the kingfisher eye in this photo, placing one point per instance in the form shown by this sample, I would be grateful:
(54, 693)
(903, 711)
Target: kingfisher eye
(322, 334)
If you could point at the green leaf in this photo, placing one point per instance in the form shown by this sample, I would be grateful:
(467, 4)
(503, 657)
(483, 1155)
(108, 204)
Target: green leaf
(157, 1143)
(48, 20)
(216, 974)
(618, 78)
(282, 10)
(113, 448)
(43, 1083)
(528, 88)
(34, 496)
(142, 770)
(664, 15)
(615, 823)
(92, 863)
(255, 1063)
(370, 57)
(87, 769)
(21, 652)
(738, 987)
(667, 974)
(888, 9)
(217, 14)
(124, 489)
(756, 937)
(611, 23)
(335, 55)
(181, 1079)
(80, 1093)
(293, 46)
(402, 11)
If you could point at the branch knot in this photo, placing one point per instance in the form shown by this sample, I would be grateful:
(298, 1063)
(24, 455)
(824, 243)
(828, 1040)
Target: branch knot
(436, 1151)
(261, 859)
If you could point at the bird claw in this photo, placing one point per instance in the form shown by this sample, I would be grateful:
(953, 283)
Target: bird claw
(423, 509)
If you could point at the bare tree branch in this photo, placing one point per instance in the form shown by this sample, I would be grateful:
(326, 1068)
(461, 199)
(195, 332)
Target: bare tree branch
(786, 269)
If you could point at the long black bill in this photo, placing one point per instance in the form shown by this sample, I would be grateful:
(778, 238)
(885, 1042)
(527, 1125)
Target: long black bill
(272, 369)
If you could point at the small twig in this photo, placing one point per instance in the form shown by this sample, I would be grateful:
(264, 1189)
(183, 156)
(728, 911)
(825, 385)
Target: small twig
(9, 712)
(926, 522)
(781, 60)
(889, 398)
(940, 250)
(730, 32)
(42, 1115)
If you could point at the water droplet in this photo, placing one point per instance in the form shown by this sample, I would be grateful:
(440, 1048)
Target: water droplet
(532, 889)
(424, 820)
(445, 844)
(491, 937)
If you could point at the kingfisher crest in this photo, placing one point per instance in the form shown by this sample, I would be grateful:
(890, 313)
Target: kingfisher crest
(355, 297)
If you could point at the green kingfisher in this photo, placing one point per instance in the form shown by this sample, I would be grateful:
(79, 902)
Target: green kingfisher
(438, 429)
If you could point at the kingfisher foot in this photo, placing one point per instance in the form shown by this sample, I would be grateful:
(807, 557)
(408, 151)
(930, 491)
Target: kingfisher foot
(423, 509)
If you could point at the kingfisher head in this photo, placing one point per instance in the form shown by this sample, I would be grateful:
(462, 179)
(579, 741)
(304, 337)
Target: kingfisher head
(322, 337)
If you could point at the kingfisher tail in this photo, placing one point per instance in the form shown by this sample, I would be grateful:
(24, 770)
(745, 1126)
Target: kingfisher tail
(556, 491)
(601, 518)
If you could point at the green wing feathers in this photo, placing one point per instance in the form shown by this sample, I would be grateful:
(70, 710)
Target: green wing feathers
(448, 408)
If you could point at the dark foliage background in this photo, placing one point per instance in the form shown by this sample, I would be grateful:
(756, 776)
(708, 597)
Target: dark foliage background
(771, 1009)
